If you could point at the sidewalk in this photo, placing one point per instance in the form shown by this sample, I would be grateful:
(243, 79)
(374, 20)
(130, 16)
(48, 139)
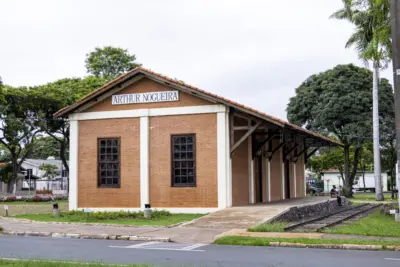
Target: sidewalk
(243, 232)
(176, 234)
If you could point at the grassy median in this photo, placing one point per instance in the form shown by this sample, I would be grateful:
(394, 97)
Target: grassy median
(375, 224)
(159, 218)
(269, 227)
(264, 241)
(34, 263)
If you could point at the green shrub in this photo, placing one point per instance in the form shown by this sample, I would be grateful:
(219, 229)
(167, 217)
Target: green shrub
(108, 215)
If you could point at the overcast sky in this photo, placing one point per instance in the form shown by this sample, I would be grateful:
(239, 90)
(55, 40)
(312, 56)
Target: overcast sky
(253, 52)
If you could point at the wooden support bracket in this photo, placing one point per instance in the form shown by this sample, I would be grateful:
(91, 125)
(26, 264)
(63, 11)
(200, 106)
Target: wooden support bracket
(268, 138)
(291, 150)
(302, 151)
(249, 132)
(311, 153)
(277, 148)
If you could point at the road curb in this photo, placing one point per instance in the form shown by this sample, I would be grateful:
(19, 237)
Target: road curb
(334, 246)
(90, 236)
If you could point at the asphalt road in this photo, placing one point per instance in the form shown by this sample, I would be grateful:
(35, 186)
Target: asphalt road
(171, 254)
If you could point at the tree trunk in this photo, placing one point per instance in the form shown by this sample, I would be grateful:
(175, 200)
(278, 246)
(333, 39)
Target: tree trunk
(349, 181)
(63, 156)
(375, 122)
(363, 174)
(14, 175)
(347, 186)
(392, 181)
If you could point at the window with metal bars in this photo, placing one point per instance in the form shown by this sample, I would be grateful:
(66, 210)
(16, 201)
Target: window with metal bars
(183, 160)
(109, 162)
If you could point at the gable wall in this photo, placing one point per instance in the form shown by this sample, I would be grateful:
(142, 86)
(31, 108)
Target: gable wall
(144, 86)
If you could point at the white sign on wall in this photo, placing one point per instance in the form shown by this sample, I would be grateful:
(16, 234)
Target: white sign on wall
(152, 97)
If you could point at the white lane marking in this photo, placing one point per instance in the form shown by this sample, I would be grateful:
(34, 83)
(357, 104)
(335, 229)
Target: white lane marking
(142, 244)
(164, 246)
(392, 259)
(193, 246)
(174, 249)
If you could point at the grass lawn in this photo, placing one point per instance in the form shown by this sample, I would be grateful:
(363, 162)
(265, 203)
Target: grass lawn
(29, 263)
(19, 208)
(269, 227)
(82, 218)
(264, 241)
(369, 197)
(373, 225)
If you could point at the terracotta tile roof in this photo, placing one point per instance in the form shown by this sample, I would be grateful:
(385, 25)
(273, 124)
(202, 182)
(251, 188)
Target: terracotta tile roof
(109, 85)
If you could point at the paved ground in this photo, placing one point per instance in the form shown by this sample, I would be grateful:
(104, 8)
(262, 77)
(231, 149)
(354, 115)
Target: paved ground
(247, 216)
(124, 252)
(177, 234)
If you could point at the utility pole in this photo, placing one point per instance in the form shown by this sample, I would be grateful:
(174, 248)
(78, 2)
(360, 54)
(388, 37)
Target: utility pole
(395, 19)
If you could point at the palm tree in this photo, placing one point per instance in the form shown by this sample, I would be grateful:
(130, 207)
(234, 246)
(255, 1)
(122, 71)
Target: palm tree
(372, 42)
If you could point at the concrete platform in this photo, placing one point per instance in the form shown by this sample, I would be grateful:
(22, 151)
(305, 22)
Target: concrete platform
(243, 217)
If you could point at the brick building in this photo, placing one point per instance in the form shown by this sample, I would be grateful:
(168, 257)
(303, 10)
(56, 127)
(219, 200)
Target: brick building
(144, 138)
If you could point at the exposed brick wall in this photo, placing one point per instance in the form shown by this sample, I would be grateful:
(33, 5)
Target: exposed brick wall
(276, 174)
(300, 176)
(240, 172)
(143, 86)
(128, 195)
(205, 194)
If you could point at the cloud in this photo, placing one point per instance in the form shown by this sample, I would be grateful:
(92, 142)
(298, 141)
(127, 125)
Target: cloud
(251, 51)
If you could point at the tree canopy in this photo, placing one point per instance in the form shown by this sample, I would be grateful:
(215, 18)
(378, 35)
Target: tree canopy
(109, 62)
(51, 97)
(338, 101)
(44, 148)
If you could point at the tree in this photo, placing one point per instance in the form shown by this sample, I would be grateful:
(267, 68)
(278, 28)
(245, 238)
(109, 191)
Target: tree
(109, 62)
(18, 126)
(338, 103)
(54, 96)
(372, 42)
(45, 147)
(50, 171)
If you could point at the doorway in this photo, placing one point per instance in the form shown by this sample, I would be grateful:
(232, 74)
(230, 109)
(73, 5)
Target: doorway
(258, 179)
(287, 179)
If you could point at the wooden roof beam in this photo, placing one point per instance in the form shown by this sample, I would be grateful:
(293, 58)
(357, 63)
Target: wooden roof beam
(269, 137)
(244, 137)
